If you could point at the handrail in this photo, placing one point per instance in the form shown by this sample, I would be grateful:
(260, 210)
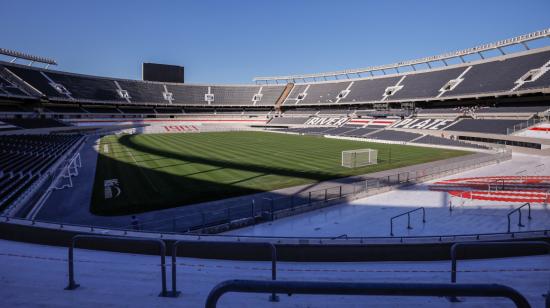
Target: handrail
(519, 212)
(456, 246)
(162, 247)
(408, 218)
(355, 288)
(86, 228)
(273, 250)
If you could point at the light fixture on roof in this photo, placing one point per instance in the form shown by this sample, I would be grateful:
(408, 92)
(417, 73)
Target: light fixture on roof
(19, 55)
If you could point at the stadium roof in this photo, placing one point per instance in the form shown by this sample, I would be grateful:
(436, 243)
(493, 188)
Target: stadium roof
(19, 55)
(522, 39)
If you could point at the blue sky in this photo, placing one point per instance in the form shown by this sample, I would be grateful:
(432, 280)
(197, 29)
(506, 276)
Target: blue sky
(233, 41)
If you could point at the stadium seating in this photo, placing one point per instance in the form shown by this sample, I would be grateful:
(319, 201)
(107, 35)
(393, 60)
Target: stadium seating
(7, 127)
(393, 135)
(270, 94)
(63, 109)
(542, 81)
(324, 93)
(429, 139)
(9, 89)
(483, 126)
(440, 111)
(227, 95)
(425, 84)
(520, 109)
(300, 112)
(338, 131)
(134, 110)
(489, 76)
(11, 109)
(169, 110)
(324, 112)
(34, 122)
(382, 113)
(292, 98)
(495, 76)
(143, 92)
(288, 120)
(369, 90)
(23, 158)
(35, 78)
(87, 87)
(359, 132)
(310, 130)
(101, 109)
(188, 95)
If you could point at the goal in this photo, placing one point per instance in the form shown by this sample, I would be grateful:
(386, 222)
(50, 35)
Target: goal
(359, 158)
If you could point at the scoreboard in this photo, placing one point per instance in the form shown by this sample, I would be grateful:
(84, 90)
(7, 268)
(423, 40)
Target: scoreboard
(162, 72)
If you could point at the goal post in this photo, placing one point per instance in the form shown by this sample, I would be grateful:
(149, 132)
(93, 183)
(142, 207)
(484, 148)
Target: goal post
(359, 158)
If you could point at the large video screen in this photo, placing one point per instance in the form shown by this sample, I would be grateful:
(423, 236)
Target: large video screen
(163, 72)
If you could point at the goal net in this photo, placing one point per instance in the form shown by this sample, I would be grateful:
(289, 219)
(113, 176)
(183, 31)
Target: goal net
(359, 158)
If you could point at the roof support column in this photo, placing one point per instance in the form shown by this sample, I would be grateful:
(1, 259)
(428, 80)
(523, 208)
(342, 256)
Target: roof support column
(525, 45)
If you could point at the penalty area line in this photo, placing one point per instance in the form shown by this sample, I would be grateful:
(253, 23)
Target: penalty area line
(155, 188)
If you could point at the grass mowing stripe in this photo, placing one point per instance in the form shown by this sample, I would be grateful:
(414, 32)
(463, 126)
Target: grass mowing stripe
(190, 168)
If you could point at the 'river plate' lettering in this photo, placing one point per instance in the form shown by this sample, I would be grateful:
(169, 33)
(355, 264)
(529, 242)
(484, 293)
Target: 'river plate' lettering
(434, 124)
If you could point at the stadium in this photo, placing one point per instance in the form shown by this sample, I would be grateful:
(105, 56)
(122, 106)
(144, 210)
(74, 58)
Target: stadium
(353, 187)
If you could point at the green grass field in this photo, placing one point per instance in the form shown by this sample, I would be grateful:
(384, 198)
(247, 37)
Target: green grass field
(167, 170)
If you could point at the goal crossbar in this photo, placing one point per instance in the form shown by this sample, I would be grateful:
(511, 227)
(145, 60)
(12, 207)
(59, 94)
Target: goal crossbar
(359, 158)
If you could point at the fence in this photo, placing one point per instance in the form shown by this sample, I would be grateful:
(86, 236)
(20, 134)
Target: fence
(523, 125)
(376, 289)
(408, 213)
(269, 208)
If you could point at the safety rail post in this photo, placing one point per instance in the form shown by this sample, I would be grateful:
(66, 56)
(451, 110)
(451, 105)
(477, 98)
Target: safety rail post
(456, 246)
(273, 251)
(357, 288)
(408, 213)
(162, 247)
(519, 214)
(271, 207)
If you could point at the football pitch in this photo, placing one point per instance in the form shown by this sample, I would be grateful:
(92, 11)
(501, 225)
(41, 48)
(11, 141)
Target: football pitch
(137, 173)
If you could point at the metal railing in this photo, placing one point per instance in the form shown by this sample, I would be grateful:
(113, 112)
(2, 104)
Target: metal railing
(354, 288)
(408, 213)
(524, 125)
(484, 245)
(272, 249)
(520, 224)
(487, 245)
(101, 238)
(53, 225)
(496, 185)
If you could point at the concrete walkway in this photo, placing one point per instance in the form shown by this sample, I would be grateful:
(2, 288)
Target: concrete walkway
(36, 275)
